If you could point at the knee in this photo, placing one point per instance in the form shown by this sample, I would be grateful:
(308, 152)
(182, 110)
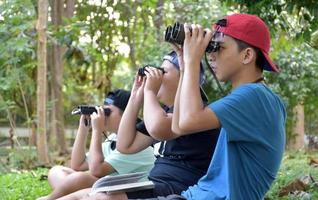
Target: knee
(55, 170)
(58, 172)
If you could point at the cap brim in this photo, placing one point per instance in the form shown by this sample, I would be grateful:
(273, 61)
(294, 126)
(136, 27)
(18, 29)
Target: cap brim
(269, 65)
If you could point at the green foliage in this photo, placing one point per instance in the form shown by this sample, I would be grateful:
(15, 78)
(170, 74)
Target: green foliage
(26, 185)
(17, 56)
(294, 165)
(297, 18)
(105, 42)
(297, 82)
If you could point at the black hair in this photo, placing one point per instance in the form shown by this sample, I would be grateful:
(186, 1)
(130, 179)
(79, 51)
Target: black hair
(260, 59)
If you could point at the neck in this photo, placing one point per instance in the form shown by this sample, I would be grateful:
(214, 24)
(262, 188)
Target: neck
(247, 76)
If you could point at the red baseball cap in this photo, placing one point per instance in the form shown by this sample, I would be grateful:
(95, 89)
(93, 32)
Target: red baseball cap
(252, 30)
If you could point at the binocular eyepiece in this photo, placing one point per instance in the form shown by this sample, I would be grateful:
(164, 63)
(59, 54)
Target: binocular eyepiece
(88, 110)
(141, 71)
(176, 35)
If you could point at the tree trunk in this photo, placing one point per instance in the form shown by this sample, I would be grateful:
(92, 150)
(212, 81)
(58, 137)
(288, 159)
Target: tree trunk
(158, 19)
(42, 81)
(297, 142)
(57, 114)
(69, 9)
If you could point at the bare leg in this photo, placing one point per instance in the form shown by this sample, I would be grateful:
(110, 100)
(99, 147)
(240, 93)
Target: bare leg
(104, 196)
(72, 183)
(76, 195)
(57, 174)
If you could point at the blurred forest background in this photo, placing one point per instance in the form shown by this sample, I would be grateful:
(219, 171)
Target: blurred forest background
(57, 54)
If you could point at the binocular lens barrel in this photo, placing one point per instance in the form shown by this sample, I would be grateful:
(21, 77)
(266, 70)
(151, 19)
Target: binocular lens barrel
(88, 110)
(176, 35)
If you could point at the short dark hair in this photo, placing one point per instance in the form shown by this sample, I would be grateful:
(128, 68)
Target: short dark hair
(259, 55)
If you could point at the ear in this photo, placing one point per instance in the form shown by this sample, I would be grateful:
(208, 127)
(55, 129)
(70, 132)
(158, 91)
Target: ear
(248, 55)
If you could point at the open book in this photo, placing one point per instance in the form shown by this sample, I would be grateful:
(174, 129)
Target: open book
(122, 183)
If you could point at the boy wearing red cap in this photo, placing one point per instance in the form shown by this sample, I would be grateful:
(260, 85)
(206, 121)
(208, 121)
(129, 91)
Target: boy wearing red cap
(252, 118)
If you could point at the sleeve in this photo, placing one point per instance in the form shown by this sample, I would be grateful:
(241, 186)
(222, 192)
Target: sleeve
(239, 114)
(127, 163)
(141, 127)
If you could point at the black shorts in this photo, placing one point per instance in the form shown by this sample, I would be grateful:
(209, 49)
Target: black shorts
(160, 189)
(170, 197)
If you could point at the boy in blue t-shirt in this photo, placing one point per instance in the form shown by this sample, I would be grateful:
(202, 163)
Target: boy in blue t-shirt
(252, 139)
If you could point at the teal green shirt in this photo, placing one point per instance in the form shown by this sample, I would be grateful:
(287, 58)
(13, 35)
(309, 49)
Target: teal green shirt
(127, 163)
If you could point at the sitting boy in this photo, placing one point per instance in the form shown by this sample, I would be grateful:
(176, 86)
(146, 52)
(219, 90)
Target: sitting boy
(103, 158)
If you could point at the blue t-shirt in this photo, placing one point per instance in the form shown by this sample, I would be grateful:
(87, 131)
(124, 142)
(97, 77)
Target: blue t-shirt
(182, 161)
(250, 146)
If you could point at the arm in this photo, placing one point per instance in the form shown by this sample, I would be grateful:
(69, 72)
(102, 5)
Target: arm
(176, 107)
(195, 116)
(97, 166)
(157, 121)
(78, 158)
(129, 140)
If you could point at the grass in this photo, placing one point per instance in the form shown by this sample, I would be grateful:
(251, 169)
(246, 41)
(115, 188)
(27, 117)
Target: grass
(32, 184)
(24, 185)
(295, 165)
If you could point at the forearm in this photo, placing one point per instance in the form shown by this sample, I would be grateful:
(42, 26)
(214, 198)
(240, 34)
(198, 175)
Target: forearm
(78, 156)
(96, 157)
(127, 128)
(190, 99)
(176, 107)
(157, 121)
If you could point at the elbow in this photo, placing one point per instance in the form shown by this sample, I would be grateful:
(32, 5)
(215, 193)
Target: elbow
(76, 167)
(185, 124)
(122, 149)
(155, 131)
(125, 149)
(96, 170)
(176, 130)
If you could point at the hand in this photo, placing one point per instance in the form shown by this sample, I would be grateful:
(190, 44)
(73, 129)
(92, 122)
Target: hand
(137, 91)
(195, 43)
(179, 52)
(154, 80)
(85, 123)
(98, 120)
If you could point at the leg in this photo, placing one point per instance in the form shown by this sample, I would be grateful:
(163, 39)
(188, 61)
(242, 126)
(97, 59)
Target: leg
(104, 196)
(57, 174)
(77, 195)
(73, 182)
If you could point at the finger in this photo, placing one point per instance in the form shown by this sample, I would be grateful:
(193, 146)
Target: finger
(208, 35)
(187, 31)
(195, 30)
(151, 71)
(143, 82)
(148, 75)
(98, 110)
(200, 31)
(102, 112)
(93, 115)
(137, 79)
(156, 72)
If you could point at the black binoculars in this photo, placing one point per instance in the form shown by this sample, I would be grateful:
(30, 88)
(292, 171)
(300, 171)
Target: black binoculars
(88, 110)
(176, 35)
(141, 71)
